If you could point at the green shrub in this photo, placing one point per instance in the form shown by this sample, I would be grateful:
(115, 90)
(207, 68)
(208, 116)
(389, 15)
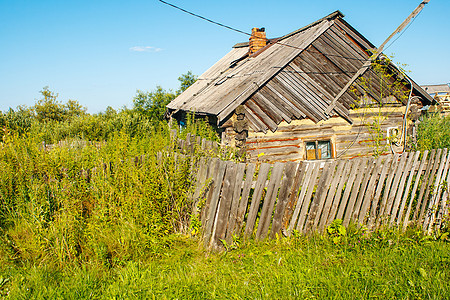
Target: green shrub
(433, 132)
(103, 202)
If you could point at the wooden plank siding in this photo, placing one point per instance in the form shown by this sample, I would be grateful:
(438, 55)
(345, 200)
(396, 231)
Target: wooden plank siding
(287, 143)
(308, 196)
(285, 90)
(306, 86)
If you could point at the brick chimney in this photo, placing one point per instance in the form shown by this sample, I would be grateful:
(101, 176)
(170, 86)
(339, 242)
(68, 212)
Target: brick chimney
(257, 40)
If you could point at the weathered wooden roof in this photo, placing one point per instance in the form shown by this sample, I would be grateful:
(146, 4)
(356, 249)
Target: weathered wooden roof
(293, 77)
(436, 88)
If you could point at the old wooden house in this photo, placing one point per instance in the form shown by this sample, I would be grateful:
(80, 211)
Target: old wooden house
(440, 93)
(269, 97)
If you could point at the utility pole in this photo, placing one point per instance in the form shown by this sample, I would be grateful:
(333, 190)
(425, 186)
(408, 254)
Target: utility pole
(374, 56)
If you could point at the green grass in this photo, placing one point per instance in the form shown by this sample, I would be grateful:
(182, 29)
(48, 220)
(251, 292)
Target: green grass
(386, 266)
(115, 235)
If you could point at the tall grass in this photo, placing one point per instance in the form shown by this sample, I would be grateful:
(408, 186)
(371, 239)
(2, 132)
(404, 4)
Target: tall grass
(104, 203)
(433, 132)
(104, 216)
(385, 265)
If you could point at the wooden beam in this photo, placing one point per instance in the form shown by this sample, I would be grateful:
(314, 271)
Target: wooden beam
(378, 51)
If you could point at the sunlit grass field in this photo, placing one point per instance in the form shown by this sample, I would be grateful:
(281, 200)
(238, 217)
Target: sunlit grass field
(385, 265)
(90, 221)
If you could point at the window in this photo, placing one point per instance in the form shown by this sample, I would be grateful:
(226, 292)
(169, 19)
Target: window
(318, 150)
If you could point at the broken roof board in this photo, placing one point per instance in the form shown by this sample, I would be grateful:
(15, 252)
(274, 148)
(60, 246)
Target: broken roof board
(221, 92)
(295, 78)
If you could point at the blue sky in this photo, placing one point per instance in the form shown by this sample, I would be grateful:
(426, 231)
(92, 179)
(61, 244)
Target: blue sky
(101, 52)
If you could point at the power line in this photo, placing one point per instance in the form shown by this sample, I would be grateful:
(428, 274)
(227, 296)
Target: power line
(403, 31)
(294, 47)
(365, 108)
(319, 52)
(282, 44)
(284, 71)
(319, 73)
(248, 34)
(203, 18)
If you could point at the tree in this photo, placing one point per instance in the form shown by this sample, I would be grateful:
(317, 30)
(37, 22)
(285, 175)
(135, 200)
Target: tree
(74, 109)
(18, 120)
(50, 109)
(153, 104)
(186, 80)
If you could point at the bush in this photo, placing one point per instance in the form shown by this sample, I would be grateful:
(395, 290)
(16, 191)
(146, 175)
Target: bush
(433, 132)
(99, 202)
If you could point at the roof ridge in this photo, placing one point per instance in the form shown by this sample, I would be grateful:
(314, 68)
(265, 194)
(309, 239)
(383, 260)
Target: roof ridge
(332, 16)
(437, 84)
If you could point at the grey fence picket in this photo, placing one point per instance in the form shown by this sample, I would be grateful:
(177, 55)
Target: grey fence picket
(308, 196)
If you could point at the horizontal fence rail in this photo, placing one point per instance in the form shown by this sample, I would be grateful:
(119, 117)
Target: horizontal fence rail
(194, 144)
(263, 200)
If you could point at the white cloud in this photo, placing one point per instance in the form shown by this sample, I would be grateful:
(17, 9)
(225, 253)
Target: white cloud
(145, 49)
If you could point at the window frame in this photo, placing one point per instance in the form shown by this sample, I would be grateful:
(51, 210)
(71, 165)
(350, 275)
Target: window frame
(316, 148)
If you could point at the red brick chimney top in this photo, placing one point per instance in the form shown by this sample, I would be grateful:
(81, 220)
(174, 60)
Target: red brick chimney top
(257, 40)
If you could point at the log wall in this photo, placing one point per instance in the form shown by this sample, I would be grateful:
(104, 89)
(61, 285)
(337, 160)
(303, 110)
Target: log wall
(288, 142)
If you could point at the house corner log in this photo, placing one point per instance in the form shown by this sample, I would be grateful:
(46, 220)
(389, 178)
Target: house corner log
(240, 127)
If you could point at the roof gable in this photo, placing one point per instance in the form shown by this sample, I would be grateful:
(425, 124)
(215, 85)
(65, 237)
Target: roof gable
(222, 88)
(293, 77)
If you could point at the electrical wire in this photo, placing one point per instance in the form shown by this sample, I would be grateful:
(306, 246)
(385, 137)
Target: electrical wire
(294, 47)
(248, 34)
(403, 31)
(284, 71)
(203, 18)
(320, 73)
(356, 137)
(361, 125)
(353, 142)
(283, 44)
(319, 52)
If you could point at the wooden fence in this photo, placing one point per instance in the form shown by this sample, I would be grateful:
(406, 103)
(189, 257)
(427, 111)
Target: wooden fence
(264, 200)
(194, 144)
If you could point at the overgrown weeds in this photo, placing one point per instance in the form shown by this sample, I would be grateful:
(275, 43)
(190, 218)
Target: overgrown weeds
(106, 204)
(387, 264)
(433, 132)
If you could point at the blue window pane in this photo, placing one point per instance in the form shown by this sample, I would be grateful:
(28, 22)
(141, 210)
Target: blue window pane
(324, 149)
